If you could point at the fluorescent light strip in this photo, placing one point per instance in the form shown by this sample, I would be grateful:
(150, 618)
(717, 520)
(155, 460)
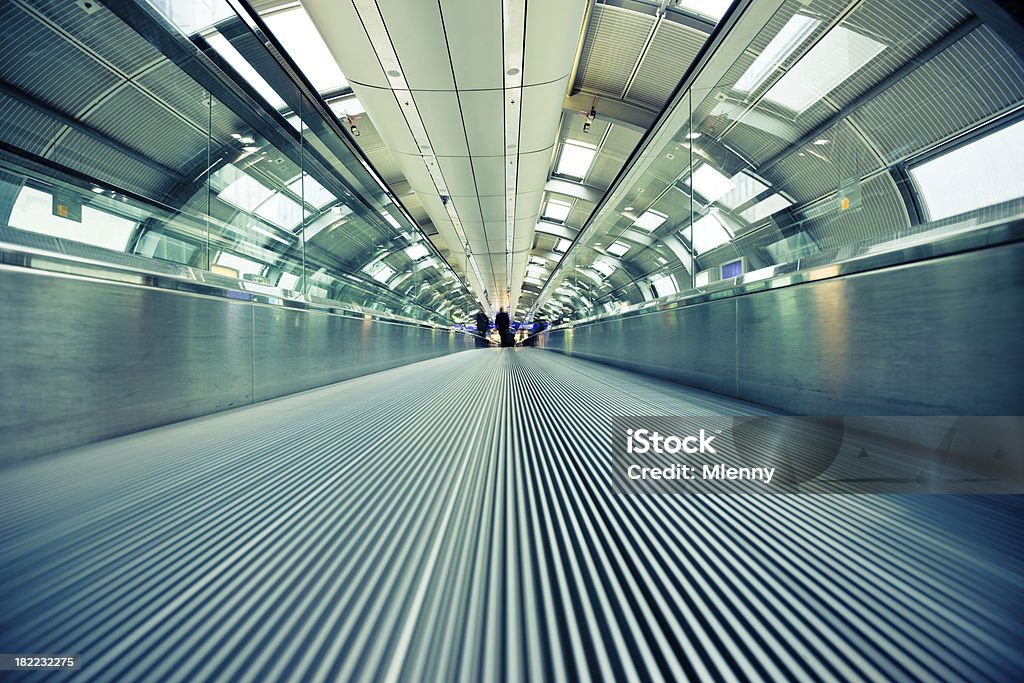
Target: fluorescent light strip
(513, 24)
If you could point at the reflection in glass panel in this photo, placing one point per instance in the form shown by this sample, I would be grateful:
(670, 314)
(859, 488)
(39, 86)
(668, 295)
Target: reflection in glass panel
(311, 191)
(708, 233)
(711, 184)
(281, 211)
(765, 208)
(239, 189)
(785, 43)
(33, 211)
(226, 50)
(836, 57)
(240, 265)
(663, 285)
(650, 220)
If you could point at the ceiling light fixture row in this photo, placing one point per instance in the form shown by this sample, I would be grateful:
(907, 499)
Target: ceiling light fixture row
(373, 22)
(513, 25)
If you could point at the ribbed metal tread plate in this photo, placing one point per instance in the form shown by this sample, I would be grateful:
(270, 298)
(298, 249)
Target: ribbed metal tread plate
(454, 520)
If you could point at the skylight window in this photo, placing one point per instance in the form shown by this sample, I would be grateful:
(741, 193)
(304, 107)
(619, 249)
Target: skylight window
(712, 9)
(708, 233)
(664, 285)
(710, 183)
(985, 172)
(237, 62)
(603, 266)
(618, 249)
(764, 208)
(776, 52)
(557, 209)
(288, 281)
(563, 245)
(246, 192)
(416, 252)
(300, 38)
(33, 211)
(650, 220)
(311, 191)
(836, 57)
(575, 159)
(380, 271)
(349, 106)
(317, 226)
(242, 266)
(281, 211)
(746, 187)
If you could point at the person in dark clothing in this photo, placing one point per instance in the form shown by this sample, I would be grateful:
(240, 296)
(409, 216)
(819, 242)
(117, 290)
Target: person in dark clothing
(482, 323)
(502, 322)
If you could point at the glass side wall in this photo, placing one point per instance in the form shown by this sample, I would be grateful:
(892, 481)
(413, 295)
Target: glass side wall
(840, 126)
(194, 146)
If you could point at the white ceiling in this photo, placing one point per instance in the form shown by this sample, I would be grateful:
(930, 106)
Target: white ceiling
(469, 103)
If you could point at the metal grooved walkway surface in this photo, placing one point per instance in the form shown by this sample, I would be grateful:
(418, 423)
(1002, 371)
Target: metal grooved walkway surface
(450, 520)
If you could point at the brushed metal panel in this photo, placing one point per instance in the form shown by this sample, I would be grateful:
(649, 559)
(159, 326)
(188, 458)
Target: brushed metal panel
(89, 360)
(298, 350)
(694, 346)
(934, 337)
(938, 337)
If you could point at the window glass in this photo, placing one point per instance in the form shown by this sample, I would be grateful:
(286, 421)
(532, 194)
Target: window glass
(982, 173)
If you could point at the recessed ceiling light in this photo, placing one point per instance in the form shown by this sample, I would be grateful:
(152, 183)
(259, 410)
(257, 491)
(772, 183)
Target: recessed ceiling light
(822, 141)
(513, 71)
(394, 73)
(692, 136)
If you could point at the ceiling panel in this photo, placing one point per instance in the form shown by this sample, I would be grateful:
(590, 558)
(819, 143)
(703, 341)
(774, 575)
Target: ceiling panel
(490, 177)
(458, 176)
(476, 55)
(541, 115)
(493, 207)
(388, 119)
(439, 110)
(483, 115)
(425, 62)
(549, 50)
(351, 48)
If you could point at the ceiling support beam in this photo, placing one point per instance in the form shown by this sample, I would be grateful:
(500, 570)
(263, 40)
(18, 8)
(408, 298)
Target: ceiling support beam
(618, 112)
(570, 188)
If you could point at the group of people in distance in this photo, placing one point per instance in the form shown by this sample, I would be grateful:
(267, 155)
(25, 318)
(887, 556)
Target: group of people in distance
(501, 321)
